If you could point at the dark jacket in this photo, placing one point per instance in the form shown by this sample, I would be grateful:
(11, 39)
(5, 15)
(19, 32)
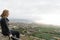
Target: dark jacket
(4, 26)
(5, 29)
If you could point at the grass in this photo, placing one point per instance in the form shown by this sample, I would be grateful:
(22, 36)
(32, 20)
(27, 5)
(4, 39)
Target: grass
(46, 33)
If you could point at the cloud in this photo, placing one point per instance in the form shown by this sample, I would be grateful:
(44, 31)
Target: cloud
(31, 9)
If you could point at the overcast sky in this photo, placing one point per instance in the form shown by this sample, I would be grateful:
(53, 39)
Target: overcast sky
(41, 11)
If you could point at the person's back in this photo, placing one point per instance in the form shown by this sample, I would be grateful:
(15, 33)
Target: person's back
(4, 26)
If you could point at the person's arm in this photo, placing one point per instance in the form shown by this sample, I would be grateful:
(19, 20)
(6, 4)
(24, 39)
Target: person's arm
(5, 22)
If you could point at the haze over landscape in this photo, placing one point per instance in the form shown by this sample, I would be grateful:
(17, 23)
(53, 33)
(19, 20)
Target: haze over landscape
(39, 11)
(33, 19)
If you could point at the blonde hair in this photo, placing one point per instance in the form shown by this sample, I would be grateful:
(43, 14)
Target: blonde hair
(4, 13)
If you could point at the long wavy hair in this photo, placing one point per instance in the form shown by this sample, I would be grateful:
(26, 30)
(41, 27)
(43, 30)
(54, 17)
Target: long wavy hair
(5, 13)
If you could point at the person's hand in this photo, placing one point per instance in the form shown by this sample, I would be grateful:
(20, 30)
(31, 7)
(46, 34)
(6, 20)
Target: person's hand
(10, 35)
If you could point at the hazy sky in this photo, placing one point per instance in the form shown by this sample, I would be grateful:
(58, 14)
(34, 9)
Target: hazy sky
(41, 11)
